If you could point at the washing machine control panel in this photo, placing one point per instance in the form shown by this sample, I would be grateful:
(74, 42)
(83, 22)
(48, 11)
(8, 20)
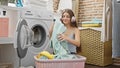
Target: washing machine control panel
(29, 13)
(42, 14)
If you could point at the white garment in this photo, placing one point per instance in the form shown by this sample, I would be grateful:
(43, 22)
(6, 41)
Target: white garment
(106, 33)
(63, 4)
(35, 3)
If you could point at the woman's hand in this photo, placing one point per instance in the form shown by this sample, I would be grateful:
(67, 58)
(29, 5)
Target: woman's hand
(61, 37)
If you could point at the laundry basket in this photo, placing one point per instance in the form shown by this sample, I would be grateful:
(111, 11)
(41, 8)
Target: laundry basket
(60, 63)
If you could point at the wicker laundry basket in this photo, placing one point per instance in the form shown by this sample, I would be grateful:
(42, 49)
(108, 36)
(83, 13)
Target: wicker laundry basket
(97, 52)
(60, 63)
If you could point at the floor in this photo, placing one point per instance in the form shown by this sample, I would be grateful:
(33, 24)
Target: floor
(94, 66)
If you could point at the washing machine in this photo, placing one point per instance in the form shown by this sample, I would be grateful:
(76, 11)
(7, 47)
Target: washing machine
(32, 35)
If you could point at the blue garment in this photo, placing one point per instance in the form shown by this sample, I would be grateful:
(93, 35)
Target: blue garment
(56, 44)
(19, 3)
(60, 48)
(116, 29)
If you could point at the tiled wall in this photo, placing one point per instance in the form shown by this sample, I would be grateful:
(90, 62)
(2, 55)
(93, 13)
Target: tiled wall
(89, 9)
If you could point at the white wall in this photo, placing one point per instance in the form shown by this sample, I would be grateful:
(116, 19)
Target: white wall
(63, 4)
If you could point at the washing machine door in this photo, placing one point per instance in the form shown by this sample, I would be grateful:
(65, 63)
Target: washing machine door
(24, 38)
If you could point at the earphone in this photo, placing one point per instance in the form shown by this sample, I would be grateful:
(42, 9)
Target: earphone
(73, 19)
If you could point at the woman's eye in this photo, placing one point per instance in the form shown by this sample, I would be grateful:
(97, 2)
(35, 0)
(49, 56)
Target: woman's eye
(68, 16)
(63, 16)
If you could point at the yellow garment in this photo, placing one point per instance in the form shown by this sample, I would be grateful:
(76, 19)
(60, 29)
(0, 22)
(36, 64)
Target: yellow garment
(46, 54)
(91, 25)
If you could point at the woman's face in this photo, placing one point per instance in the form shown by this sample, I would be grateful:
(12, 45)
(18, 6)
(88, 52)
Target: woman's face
(66, 18)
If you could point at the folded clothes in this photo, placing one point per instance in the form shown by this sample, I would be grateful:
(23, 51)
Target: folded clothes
(91, 25)
(93, 21)
(37, 2)
(37, 6)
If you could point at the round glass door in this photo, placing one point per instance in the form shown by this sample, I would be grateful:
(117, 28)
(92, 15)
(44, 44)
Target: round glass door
(39, 35)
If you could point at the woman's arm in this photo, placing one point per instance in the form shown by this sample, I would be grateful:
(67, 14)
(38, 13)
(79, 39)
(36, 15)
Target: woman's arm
(51, 29)
(75, 41)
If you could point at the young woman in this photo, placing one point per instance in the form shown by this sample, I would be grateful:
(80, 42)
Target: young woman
(72, 33)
